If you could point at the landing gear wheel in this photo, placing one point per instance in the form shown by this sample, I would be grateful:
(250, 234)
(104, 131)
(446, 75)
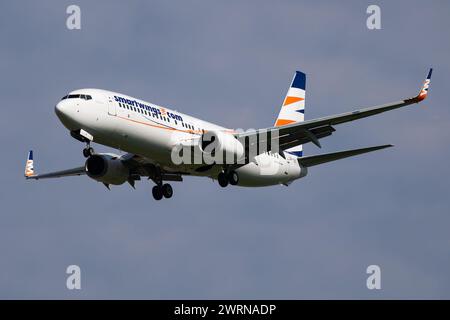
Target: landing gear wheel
(223, 179)
(88, 151)
(167, 190)
(157, 193)
(233, 178)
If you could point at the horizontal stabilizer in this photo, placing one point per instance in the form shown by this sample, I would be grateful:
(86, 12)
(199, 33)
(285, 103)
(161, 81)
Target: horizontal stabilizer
(328, 157)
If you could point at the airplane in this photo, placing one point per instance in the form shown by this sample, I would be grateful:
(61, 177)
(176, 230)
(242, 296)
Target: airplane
(149, 134)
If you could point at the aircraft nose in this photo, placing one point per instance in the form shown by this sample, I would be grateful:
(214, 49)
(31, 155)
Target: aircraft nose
(64, 113)
(59, 109)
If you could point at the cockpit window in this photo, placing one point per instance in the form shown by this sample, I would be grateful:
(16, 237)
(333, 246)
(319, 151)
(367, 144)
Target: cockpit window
(79, 96)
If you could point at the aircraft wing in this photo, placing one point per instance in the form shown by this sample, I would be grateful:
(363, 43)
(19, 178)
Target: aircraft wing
(29, 171)
(328, 157)
(59, 174)
(138, 165)
(298, 133)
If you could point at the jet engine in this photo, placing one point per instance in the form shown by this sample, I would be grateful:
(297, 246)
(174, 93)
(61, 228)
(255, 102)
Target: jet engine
(106, 168)
(221, 147)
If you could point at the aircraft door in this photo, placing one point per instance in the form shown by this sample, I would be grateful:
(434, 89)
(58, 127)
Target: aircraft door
(112, 111)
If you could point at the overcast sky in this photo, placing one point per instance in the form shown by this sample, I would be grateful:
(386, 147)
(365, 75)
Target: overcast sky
(229, 62)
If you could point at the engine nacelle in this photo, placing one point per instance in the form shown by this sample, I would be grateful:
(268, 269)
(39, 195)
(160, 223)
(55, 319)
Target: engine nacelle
(221, 147)
(106, 168)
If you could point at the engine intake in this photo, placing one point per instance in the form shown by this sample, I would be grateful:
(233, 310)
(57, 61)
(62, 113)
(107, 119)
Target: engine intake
(106, 168)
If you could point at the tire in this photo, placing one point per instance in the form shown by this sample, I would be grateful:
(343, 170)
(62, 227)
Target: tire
(157, 193)
(223, 179)
(87, 152)
(167, 191)
(233, 178)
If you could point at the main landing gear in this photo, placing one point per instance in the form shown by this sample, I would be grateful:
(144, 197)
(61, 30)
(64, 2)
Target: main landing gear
(162, 190)
(226, 178)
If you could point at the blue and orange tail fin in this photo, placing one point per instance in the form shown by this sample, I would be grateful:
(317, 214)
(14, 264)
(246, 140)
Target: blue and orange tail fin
(29, 168)
(293, 108)
(426, 85)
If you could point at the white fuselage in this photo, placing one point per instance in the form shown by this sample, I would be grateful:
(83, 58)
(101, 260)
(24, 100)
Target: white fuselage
(135, 126)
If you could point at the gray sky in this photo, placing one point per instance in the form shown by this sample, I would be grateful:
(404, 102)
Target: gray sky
(229, 62)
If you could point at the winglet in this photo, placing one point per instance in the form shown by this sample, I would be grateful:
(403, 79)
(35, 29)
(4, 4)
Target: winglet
(29, 169)
(424, 90)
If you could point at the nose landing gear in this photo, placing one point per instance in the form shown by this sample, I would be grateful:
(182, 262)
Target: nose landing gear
(84, 136)
(88, 151)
